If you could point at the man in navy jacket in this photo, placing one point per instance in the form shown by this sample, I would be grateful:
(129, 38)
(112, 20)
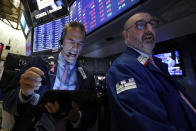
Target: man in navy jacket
(56, 72)
(142, 95)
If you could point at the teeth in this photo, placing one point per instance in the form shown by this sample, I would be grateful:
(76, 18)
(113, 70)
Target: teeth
(72, 54)
(148, 37)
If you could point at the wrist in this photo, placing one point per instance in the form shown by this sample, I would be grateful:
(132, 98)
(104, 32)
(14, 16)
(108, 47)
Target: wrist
(26, 97)
(32, 99)
(76, 123)
(26, 93)
(76, 118)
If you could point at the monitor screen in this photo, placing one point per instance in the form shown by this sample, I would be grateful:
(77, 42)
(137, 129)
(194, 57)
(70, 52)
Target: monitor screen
(47, 36)
(23, 21)
(46, 7)
(94, 13)
(24, 25)
(44, 3)
(43, 11)
(174, 62)
(1, 49)
(26, 30)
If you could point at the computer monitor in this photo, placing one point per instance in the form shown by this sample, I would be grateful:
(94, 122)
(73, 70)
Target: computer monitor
(24, 25)
(174, 61)
(1, 48)
(46, 36)
(43, 11)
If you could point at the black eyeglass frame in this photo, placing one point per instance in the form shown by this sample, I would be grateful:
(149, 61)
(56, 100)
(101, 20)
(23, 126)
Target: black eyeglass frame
(153, 22)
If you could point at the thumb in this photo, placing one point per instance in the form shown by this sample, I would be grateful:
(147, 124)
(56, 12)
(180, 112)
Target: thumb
(75, 105)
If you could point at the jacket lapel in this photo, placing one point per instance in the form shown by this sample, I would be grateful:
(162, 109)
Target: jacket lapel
(81, 76)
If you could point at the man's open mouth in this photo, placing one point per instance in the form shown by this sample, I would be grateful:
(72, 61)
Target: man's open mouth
(72, 54)
(148, 38)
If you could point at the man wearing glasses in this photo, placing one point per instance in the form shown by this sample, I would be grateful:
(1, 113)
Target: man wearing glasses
(57, 72)
(142, 95)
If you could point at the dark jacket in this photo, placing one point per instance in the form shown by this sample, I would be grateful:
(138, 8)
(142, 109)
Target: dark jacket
(145, 98)
(27, 114)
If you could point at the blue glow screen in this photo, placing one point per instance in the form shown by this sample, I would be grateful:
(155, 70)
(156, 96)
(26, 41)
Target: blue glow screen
(94, 13)
(172, 59)
(47, 36)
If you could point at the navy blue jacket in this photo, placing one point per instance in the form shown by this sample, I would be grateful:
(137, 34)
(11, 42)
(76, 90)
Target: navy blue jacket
(25, 113)
(144, 98)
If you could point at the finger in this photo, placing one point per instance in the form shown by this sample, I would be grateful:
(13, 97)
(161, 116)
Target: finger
(26, 87)
(75, 105)
(57, 106)
(27, 91)
(31, 75)
(30, 82)
(67, 117)
(50, 107)
(73, 115)
(36, 70)
(34, 73)
(37, 87)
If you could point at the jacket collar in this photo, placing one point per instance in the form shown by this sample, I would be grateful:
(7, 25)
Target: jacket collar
(141, 57)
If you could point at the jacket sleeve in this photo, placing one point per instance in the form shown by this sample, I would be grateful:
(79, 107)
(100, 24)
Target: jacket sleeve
(11, 102)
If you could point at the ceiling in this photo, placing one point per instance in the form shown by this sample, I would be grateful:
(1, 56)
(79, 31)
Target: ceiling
(177, 18)
(9, 10)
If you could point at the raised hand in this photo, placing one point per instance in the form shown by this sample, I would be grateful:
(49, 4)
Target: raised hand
(30, 80)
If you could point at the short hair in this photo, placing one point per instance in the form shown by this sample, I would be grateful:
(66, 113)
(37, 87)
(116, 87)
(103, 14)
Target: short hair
(73, 24)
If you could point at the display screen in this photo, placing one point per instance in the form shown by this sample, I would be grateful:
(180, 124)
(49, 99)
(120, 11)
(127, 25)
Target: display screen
(174, 62)
(1, 49)
(44, 3)
(46, 36)
(94, 13)
(47, 7)
(23, 21)
(24, 25)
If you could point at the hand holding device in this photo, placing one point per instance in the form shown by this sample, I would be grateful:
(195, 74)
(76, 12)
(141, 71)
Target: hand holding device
(65, 104)
(74, 113)
(54, 108)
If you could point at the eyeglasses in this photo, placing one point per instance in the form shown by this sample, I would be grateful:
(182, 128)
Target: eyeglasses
(141, 24)
(72, 42)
